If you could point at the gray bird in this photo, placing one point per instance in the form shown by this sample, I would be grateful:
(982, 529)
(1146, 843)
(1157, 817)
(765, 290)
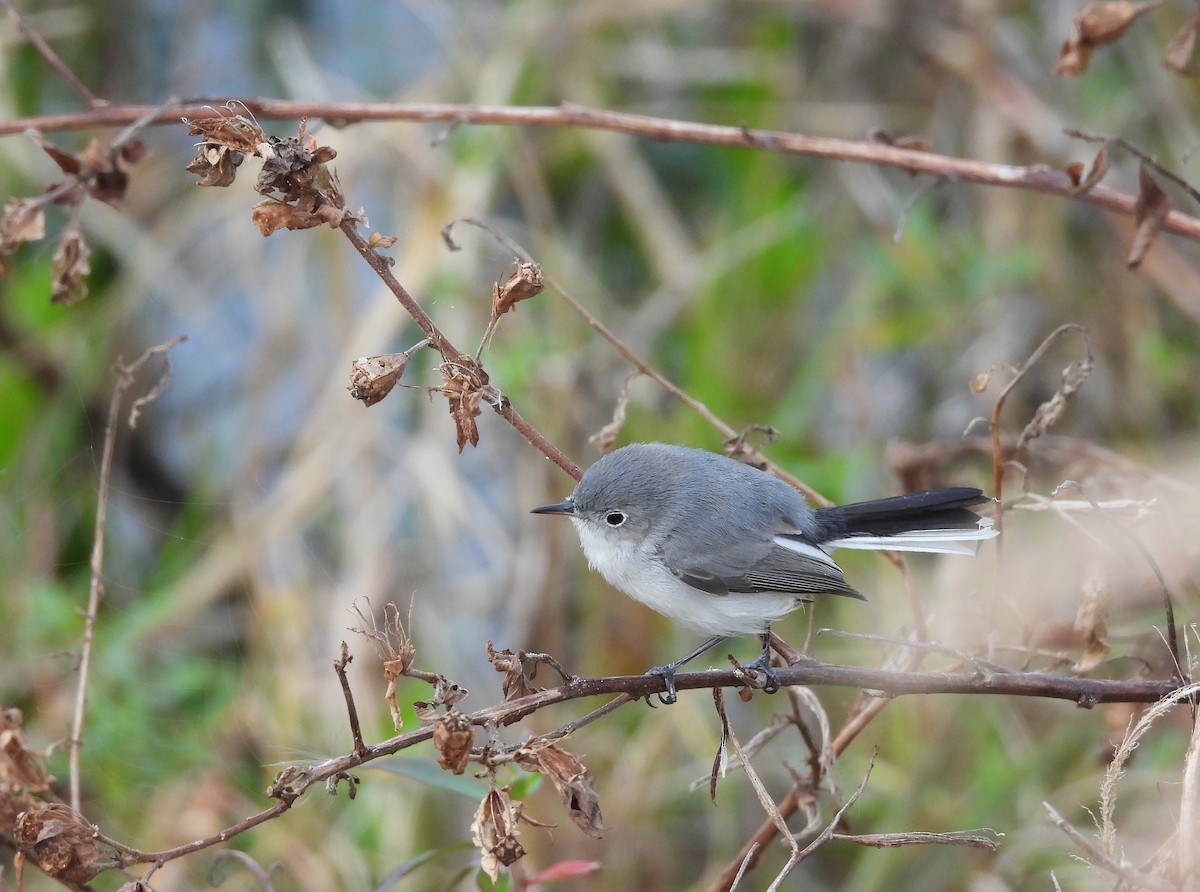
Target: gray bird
(725, 549)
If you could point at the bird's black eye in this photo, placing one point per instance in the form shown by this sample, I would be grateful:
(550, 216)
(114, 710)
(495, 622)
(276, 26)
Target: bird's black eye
(614, 518)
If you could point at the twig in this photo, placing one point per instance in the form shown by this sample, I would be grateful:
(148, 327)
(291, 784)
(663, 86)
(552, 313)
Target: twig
(125, 379)
(339, 666)
(998, 463)
(1116, 868)
(450, 353)
(53, 60)
(827, 834)
(760, 790)
(634, 358)
(970, 839)
(1181, 673)
(923, 190)
(1146, 159)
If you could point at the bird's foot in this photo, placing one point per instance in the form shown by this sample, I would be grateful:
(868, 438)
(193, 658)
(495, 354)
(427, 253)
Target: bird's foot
(667, 674)
(770, 681)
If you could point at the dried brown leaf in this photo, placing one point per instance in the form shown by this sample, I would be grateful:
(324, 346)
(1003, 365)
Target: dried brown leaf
(494, 831)
(524, 283)
(1181, 49)
(24, 221)
(235, 131)
(69, 163)
(464, 384)
(1098, 24)
(378, 241)
(570, 778)
(69, 267)
(373, 377)
(58, 840)
(453, 738)
(1150, 212)
(216, 165)
(1051, 411)
(270, 215)
(518, 681)
(1095, 172)
(134, 151)
(21, 766)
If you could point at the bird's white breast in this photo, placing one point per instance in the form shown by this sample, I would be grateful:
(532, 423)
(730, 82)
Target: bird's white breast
(634, 568)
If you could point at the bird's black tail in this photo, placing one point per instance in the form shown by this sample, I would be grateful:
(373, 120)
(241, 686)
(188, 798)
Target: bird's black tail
(937, 520)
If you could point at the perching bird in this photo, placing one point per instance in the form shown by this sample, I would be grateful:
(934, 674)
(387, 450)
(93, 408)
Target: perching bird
(725, 549)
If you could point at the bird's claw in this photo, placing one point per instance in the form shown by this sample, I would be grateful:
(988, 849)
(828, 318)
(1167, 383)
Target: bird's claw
(667, 674)
(770, 681)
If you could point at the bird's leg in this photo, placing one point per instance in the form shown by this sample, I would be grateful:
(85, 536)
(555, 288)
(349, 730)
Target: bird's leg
(667, 672)
(763, 665)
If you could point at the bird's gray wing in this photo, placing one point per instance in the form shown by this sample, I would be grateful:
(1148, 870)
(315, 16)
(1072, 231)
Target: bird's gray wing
(800, 569)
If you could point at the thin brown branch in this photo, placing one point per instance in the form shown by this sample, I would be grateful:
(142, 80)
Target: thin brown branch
(294, 782)
(827, 834)
(1117, 868)
(635, 359)
(53, 59)
(450, 353)
(998, 463)
(1035, 178)
(125, 380)
(339, 666)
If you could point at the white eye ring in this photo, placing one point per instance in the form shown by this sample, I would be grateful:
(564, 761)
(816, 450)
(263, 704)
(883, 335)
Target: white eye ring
(614, 518)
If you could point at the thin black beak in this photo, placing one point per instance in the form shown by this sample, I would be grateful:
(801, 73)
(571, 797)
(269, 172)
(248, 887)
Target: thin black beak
(564, 507)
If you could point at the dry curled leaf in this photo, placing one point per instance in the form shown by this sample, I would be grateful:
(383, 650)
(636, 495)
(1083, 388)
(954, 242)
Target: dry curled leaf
(20, 766)
(24, 221)
(453, 738)
(524, 283)
(380, 242)
(494, 831)
(373, 377)
(1098, 24)
(1150, 212)
(1051, 411)
(1181, 49)
(570, 778)
(518, 680)
(62, 844)
(216, 165)
(94, 169)
(236, 132)
(69, 267)
(271, 215)
(464, 384)
(1083, 179)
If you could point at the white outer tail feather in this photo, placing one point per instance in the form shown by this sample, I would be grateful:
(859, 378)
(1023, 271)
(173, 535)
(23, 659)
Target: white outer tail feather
(928, 541)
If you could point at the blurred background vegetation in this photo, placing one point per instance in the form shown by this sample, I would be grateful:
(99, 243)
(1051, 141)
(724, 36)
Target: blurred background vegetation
(257, 501)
